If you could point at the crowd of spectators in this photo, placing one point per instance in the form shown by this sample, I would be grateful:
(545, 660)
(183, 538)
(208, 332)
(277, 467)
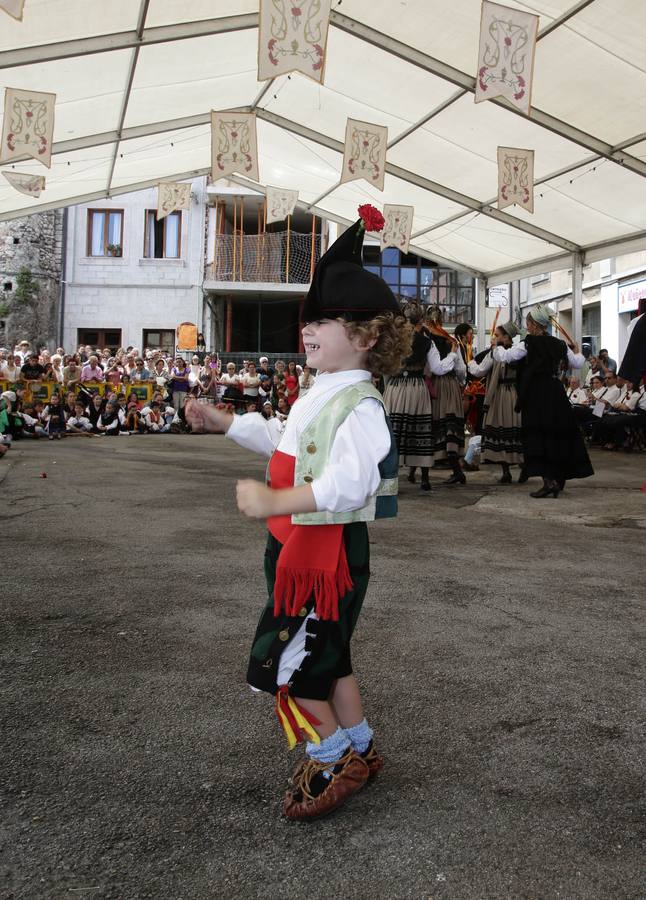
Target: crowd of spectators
(78, 406)
(610, 410)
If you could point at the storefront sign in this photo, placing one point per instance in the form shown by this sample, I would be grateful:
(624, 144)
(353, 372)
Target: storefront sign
(630, 295)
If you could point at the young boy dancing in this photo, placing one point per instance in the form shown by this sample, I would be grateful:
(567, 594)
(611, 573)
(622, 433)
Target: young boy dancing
(333, 468)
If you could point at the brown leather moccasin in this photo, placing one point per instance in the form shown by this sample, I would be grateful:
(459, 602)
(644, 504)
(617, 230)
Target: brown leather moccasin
(305, 800)
(371, 757)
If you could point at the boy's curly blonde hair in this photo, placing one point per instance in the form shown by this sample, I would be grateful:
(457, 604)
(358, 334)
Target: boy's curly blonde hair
(394, 340)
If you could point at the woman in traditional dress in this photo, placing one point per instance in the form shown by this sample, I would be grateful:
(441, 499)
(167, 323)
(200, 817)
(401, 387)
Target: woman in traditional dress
(449, 374)
(553, 446)
(502, 439)
(409, 403)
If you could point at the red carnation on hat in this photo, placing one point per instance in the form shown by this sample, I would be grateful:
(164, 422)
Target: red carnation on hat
(372, 218)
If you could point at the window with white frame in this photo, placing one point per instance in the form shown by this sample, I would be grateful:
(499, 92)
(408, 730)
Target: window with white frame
(163, 239)
(105, 232)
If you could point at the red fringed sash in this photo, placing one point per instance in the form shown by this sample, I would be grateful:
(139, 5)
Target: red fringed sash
(312, 561)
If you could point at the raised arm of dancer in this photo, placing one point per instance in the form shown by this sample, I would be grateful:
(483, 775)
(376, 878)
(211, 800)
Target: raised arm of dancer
(441, 366)
(575, 360)
(480, 369)
(513, 354)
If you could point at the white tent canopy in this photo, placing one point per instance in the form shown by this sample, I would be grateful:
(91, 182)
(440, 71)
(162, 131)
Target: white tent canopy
(135, 83)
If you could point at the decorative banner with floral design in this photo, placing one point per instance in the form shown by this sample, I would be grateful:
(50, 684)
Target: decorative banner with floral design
(515, 178)
(234, 147)
(13, 7)
(398, 227)
(28, 125)
(280, 203)
(365, 153)
(32, 185)
(506, 55)
(172, 195)
(292, 37)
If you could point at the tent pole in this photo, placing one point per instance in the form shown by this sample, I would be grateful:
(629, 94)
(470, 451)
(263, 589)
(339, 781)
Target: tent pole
(287, 251)
(577, 296)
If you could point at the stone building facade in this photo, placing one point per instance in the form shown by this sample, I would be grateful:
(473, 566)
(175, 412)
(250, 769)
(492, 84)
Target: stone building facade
(32, 245)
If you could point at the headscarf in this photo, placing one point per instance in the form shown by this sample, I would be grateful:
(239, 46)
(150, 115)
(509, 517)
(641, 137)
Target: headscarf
(541, 314)
(510, 329)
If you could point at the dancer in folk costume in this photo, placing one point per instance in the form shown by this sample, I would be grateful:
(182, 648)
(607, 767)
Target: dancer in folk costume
(333, 467)
(502, 439)
(449, 372)
(553, 446)
(409, 403)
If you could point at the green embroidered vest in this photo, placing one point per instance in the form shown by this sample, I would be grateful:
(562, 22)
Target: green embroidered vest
(313, 456)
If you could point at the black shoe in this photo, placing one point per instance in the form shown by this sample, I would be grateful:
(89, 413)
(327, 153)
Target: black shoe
(457, 478)
(522, 477)
(411, 477)
(505, 478)
(549, 489)
(425, 486)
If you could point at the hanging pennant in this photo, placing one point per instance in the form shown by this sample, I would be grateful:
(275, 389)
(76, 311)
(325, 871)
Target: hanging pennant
(13, 7)
(398, 227)
(172, 195)
(280, 204)
(515, 178)
(32, 185)
(506, 55)
(27, 126)
(234, 147)
(365, 153)
(292, 37)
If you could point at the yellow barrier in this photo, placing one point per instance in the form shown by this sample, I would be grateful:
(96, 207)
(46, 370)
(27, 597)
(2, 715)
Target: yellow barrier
(42, 390)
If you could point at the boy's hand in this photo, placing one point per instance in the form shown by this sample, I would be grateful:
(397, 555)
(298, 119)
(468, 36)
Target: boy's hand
(204, 417)
(255, 499)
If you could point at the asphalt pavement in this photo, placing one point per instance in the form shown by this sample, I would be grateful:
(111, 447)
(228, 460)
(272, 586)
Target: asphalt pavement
(500, 649)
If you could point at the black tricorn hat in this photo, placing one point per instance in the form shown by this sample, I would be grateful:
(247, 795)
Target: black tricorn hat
(342, 288)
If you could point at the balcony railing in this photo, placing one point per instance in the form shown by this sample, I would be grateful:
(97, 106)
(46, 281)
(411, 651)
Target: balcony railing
(278, 258)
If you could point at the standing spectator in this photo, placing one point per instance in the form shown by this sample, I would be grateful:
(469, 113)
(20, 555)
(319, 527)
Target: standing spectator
(71, 373)
(306, 381)
(32, 369)
(179, 383)
(608, 364)
(291, 383)
(251, 383)
(24, 350)
(10, 369)
(200, 348)
(114, 373)
(57, 368)
(54, 418)
(92, 371)
(265, 369)
(194, 371)
(232, 384)
(140, 372)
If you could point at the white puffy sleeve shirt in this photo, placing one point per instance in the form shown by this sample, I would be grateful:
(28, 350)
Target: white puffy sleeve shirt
(352, 474)
(479, 369)
(519, 351)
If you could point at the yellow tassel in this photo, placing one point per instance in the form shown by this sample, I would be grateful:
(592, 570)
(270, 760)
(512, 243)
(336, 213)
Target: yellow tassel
(287, 728)
(302, 722)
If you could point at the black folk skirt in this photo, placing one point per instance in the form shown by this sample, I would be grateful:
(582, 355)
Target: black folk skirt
(327, 644)
(409, 405)
(553, 446)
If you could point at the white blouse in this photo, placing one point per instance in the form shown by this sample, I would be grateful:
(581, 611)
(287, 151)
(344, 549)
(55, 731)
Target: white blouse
(519, 351)
(361, 442)
(452, 362)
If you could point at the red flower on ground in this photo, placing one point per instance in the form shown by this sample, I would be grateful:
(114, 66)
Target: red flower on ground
(372, 218)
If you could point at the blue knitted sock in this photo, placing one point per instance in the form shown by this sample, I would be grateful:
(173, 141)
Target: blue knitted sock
(360, 736)
(330, 749)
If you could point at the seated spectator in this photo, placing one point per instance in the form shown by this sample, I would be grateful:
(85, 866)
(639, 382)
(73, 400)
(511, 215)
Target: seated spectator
(624, 416)
(282, 410)
(133, 421)
(112, 420)
(268, 410)
(575, 393)
(10, 425)
(54, 418)
(94, 410)
(154, 419)
(251, 406)
(32, 370)
(92, 371)
(79, 423)
(31, 416)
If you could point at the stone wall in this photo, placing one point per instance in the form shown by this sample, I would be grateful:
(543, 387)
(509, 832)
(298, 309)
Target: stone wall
(33, 243)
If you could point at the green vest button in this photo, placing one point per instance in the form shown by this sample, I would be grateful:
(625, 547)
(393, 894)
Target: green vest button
(283, 635)
(311, 448)
(302, 612)
(308, 479)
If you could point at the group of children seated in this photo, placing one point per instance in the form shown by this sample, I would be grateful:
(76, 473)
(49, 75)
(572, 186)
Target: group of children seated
(85, 413)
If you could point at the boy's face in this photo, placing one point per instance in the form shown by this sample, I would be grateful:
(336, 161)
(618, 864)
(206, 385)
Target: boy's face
(329, 348)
